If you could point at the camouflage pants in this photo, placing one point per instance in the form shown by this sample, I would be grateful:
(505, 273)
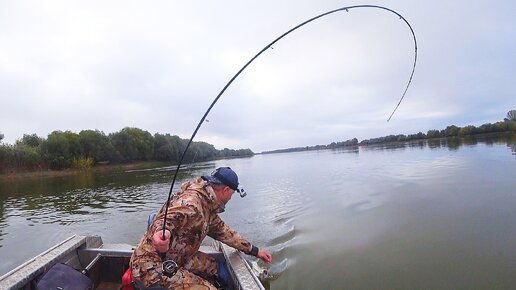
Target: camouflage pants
(187, 277)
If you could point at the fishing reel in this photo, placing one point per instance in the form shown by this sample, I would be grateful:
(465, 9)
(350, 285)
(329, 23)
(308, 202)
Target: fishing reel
(169, 268)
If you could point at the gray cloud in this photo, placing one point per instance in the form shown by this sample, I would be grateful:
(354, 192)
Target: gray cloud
(157, 66)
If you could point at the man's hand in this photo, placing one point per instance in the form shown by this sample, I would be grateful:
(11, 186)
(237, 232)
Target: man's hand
(266, 257)
(159, 242)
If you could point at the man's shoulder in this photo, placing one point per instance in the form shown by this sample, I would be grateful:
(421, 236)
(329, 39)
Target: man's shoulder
(192, 198)
(186, 206)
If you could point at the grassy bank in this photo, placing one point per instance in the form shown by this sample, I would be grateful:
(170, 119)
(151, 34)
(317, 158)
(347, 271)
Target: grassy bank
(67, 172)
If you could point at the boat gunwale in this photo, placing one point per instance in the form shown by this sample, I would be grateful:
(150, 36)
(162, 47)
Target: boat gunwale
(24, 264)
(20, 277)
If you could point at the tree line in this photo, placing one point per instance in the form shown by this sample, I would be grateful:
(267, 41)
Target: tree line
(332, 145)
(62, 150)
(507, 125)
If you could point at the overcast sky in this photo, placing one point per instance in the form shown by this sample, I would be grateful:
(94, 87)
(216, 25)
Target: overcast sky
(157, 65)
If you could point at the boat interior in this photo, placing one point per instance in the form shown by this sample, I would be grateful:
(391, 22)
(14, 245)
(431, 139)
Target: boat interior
(105, 264)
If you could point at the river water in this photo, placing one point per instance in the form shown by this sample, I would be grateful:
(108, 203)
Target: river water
(427, 215)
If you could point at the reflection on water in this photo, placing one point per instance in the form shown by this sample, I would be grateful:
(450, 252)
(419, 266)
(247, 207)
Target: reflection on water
(511, 143)
(430, 214)
(452, 143)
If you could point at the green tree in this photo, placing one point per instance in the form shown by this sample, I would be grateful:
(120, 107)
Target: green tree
(468, 130)
(25, 156)
(1, 137)
(95, 144)
(32, 140)
(401, 137)
(56, 150)
(6, 153)
(419, 135)
(511, 126)
(74, 143)
(168, 148)
(249, 152)
(485, 128)
(511, 115)
(133, 144)
(500, 126)
(124, 145)
(433, 134)
(200, 151)
(451, 131)
(111, 154)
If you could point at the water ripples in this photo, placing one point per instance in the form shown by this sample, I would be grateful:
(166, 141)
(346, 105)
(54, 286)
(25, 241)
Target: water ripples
(286, 205)
(285, 216)
(84, 205)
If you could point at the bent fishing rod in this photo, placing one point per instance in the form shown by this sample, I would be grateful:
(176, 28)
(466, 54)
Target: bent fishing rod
(346, 9)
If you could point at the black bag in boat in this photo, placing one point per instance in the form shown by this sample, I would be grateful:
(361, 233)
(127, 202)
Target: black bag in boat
(64, 277)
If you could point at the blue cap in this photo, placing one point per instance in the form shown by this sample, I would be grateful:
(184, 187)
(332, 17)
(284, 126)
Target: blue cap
(223, 175)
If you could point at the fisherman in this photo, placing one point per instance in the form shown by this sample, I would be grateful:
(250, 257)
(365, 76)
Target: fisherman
(192, 214)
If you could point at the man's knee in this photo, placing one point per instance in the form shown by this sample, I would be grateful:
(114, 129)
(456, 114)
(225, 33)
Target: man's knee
(202, 263)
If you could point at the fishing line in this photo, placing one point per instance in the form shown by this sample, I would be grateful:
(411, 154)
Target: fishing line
(257, 55)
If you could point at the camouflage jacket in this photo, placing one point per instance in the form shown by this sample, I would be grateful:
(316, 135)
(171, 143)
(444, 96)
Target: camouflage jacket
(192, 214)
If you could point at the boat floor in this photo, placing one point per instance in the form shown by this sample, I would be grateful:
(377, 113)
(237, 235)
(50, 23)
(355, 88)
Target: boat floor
(108, 286)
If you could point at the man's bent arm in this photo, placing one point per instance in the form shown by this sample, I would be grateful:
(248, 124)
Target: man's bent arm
(222, 232)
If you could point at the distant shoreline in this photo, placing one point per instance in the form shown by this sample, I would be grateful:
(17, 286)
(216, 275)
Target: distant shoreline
(44, 173)
(72, 171)
(349, 146)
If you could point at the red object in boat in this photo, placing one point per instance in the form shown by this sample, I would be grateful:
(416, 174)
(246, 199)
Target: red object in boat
(127, 280)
